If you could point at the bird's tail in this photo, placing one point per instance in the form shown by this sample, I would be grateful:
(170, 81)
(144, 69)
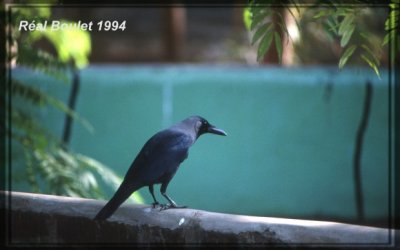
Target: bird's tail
(123, 193)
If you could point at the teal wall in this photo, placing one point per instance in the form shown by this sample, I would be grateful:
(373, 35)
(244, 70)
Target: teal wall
(290, 132)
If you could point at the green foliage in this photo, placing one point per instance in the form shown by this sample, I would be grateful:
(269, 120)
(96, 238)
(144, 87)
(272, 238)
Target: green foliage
(37, 97)
(341, 22)
(247, 18)
(42, 61)
(392, 27)
(265, 19)
(71, 44)
(346, 55)
(344, 22)
(49, 166)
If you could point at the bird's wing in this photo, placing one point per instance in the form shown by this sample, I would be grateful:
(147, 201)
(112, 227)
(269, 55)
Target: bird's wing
(161, 155)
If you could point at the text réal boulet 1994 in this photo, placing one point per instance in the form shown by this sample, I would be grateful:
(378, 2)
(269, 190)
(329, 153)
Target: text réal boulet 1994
(55, 25)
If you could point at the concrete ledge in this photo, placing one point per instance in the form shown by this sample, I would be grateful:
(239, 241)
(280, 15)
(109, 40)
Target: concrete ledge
(37, 218)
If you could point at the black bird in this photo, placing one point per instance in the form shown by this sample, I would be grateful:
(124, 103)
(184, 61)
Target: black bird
(158, 161)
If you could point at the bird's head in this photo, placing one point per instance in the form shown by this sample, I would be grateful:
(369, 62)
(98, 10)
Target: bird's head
(202, 126)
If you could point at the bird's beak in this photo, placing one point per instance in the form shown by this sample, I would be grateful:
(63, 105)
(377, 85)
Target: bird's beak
(217, 131)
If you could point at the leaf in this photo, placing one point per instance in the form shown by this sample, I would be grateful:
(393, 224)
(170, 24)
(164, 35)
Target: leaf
(332, 25)
(137, 198)
(343, 11)
(321, 13)
(255, 9)
(71, 44)
(393, 5)
(282, 25)
(107, 175)
(264, 45)
(346, 24)
(285, 30)
(372, 54)
(49, 167)
(247, 18)
(258, 19)
(386, 39)
(346, 55)
(365, 35)
(371, 64)
(88, 180)
(391, 24)
(282, 20)
(387, 23)
(42, 61)
(346, 36)
(29, 93)
(62, 107)
(278, 45)
(260, 32)
(38, 97)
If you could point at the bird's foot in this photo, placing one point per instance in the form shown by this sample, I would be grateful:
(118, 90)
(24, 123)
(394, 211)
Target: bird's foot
(168, 206)
(154, 204)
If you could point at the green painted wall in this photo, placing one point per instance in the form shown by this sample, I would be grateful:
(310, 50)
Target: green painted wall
(290, 132)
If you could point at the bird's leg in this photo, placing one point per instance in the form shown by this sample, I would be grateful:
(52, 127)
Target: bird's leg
(172, 203)
(155, 203)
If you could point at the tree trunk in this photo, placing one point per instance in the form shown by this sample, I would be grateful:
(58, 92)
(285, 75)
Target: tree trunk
(175, 33)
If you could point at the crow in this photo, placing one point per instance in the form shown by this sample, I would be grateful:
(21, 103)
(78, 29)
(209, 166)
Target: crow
(158, 161)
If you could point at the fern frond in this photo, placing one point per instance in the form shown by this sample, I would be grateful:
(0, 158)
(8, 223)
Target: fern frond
(42, 61)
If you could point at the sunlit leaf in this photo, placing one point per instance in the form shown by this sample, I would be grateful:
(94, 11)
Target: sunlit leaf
(391, 26)
(71, 193)
(260, 32)
(247, 18)
(88, 180)
(371, 64)
(346, 36)
(386, 39)
(137, 198)
(72, 44)
(259, 18)
(68, 159)
(346, 24)
(107, 175)
(372, 54)
(346, 55)
(278, 45)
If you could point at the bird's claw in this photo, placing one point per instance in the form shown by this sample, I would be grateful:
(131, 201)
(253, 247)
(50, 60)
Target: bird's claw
(154, 204)
(168, 206)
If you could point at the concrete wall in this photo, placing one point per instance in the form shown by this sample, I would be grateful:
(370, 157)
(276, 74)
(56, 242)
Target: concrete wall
(291, 133)
(54, 220)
